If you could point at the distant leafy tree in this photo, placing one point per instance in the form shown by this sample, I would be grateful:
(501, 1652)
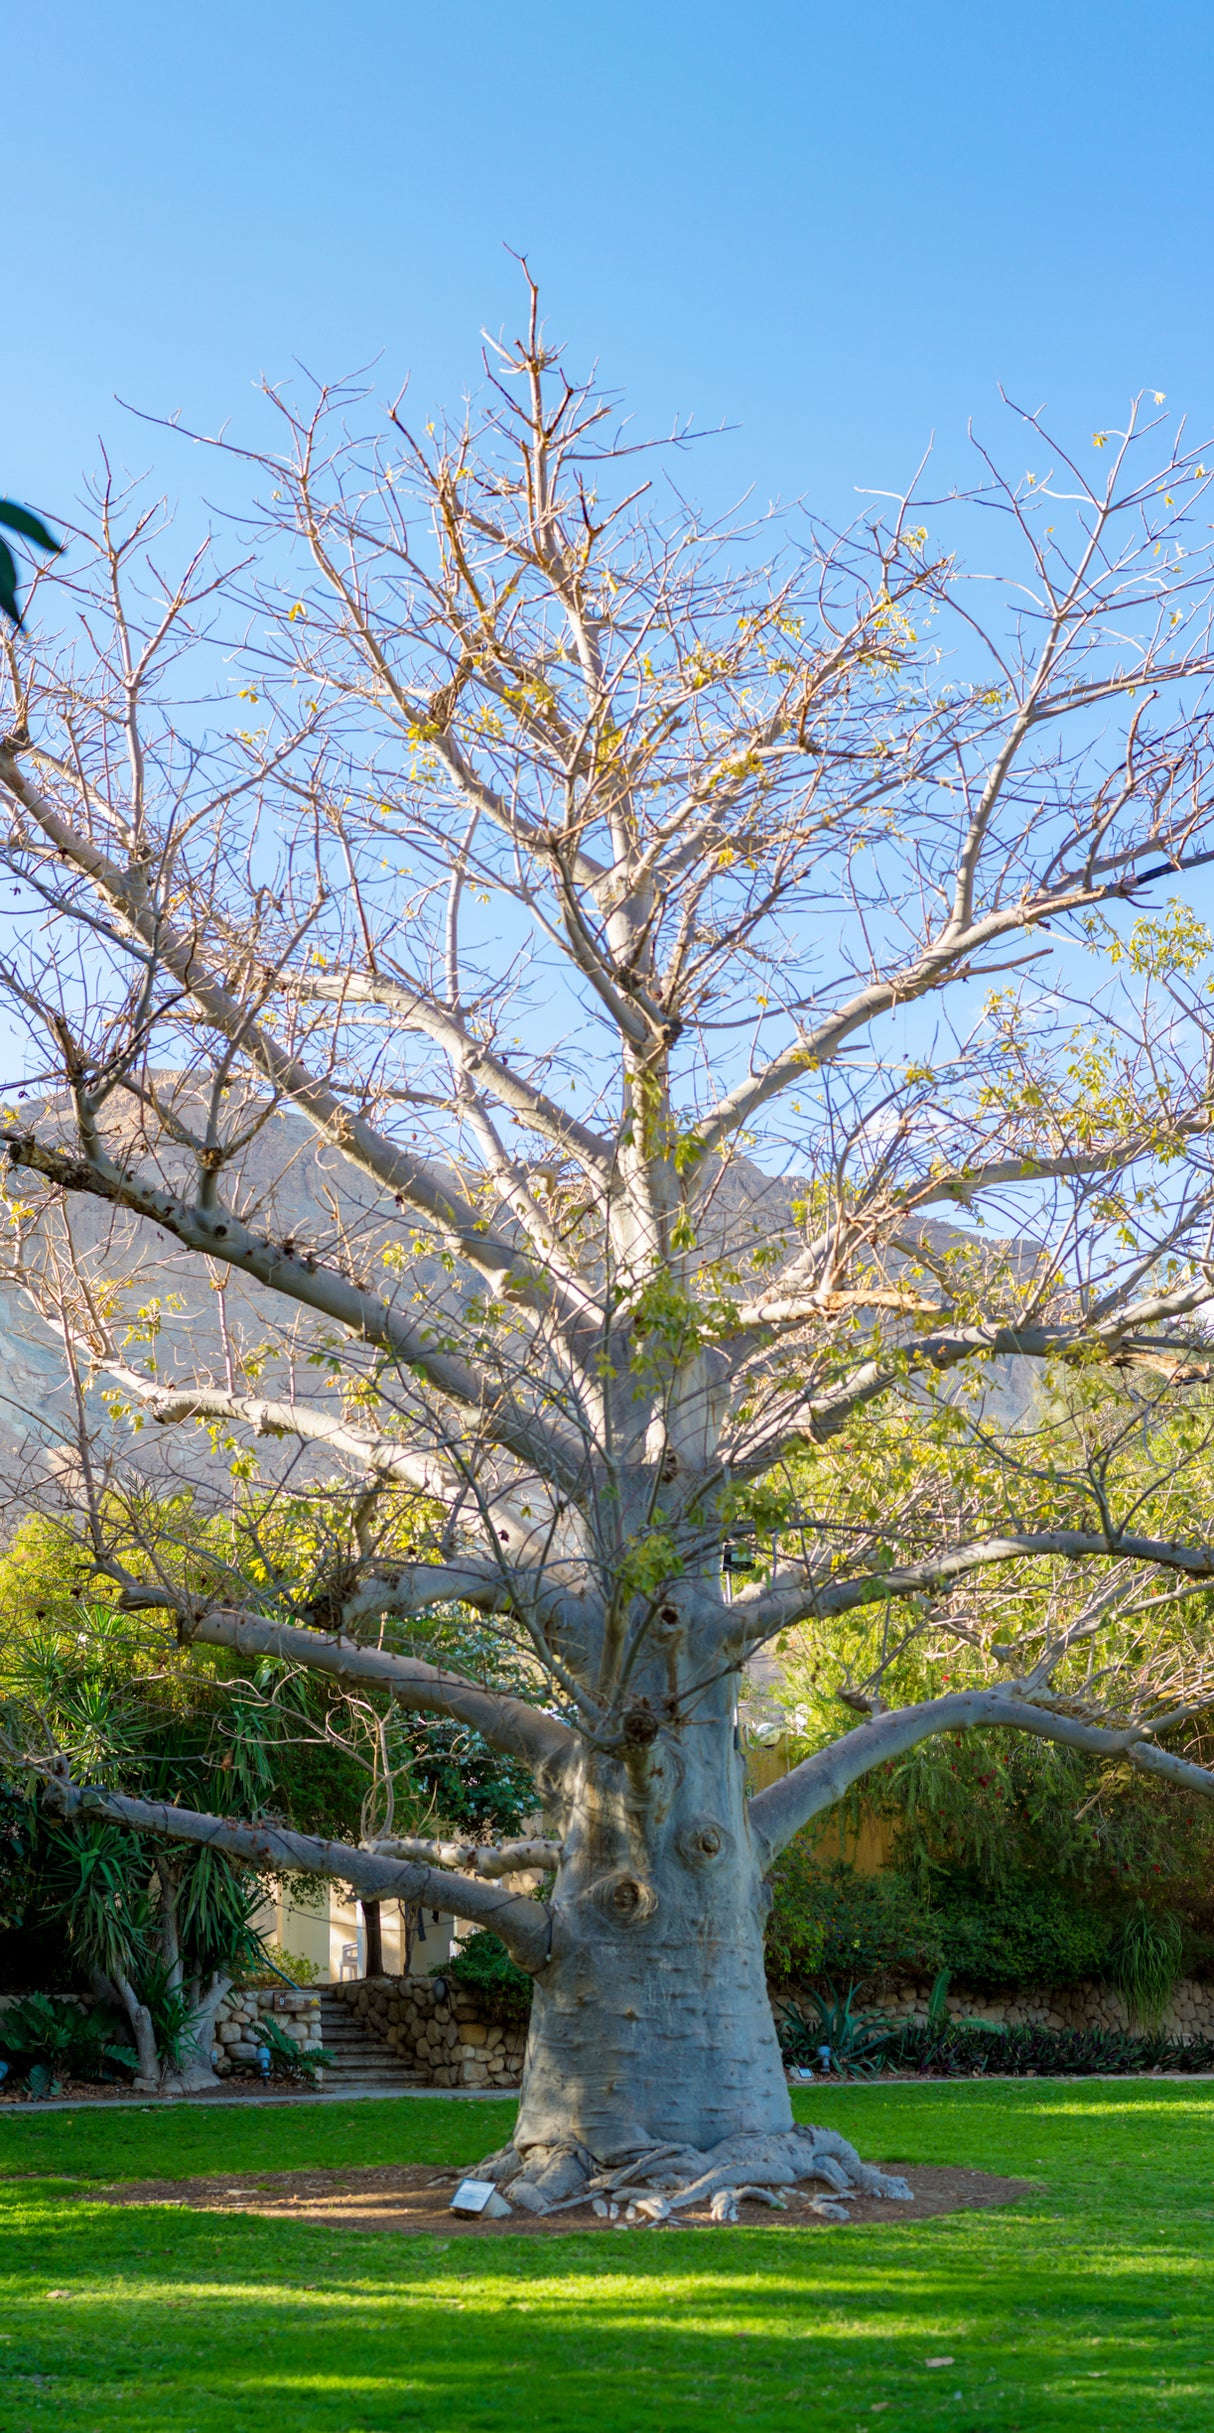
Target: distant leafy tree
(161, 1944)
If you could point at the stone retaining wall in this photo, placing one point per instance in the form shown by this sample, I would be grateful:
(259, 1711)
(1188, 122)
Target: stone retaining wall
(237, 2022)
(1190, 2012)
(238, 2018)
(437, 2028)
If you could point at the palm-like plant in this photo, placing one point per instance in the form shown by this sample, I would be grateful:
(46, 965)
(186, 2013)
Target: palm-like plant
(34, 533)
(1147, 1960)
(161, 1937)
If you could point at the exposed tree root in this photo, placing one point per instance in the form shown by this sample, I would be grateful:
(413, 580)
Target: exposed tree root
(661, 2181)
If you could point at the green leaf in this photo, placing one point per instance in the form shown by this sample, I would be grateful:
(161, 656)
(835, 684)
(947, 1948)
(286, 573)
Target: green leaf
(31, 527)
(9, 603)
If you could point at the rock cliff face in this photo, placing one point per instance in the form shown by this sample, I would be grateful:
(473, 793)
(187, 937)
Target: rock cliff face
(185, 1313)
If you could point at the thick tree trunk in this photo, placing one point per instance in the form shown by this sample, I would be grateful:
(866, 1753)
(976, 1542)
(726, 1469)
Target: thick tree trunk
(651, 2021)
(194, 2071)
(373, 1930)
(147, 2077)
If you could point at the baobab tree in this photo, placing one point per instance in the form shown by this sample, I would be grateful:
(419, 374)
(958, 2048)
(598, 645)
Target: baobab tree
(738, 979)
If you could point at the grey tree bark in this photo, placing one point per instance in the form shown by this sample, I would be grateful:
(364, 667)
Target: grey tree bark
(142, 2027)
(650, 2019)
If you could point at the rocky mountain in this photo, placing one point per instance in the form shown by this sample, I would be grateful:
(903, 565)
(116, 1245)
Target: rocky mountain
(190, 1316)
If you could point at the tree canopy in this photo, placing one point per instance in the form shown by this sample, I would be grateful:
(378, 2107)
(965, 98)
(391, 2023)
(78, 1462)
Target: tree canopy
(731, 996)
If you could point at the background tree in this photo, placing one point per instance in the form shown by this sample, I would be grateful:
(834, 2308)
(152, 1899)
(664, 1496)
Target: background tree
(617, 899)
(161, 1933)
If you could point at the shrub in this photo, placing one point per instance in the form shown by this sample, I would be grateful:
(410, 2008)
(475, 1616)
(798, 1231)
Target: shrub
(997, 1808)
(280, 1964)
(473, 1788)
(1025, 1933)
(485, 1969)
(289, 2059)
(45, 2037)
(1039, 2052)
(33, 1947)
(1146, 1962)
(831, 1922)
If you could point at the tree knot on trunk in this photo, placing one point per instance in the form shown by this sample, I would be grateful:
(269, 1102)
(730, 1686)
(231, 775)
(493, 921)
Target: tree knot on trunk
(703, 1842)
(640, 1725)
(623, 1899)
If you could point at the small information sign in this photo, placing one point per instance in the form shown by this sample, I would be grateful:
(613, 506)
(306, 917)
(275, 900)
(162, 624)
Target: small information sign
(472, 2196)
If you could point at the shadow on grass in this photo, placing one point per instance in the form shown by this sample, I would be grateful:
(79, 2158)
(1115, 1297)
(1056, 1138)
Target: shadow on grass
(189, 2323)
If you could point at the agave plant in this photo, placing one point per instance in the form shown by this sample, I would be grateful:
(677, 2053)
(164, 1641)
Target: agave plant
(851, 2043)
(938, 2010)
(295, 2060)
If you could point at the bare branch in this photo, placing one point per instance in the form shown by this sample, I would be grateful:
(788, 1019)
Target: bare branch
(522, 1923)
(820, 1781)
(506, 1723)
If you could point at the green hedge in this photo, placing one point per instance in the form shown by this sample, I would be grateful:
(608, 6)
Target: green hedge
(500, 1988)
(1021, 1934)
(829, 1924)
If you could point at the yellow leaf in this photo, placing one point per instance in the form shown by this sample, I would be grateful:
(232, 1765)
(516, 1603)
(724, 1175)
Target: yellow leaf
(1099, 438)
(298, 611)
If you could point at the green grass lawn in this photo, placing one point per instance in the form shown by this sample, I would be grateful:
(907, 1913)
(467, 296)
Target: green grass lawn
(1089, 2304)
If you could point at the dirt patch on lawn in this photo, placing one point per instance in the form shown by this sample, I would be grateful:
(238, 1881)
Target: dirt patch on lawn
(419, 2200)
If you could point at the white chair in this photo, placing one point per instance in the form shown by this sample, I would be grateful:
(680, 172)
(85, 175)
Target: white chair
(349, 1960)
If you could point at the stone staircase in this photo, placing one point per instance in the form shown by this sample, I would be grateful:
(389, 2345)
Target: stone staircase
(363, 2063)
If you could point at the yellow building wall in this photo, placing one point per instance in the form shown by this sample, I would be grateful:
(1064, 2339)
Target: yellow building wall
(832, 1836)
(329, 1933)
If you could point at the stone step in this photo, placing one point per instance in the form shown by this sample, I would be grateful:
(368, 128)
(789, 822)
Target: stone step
(361, 2059)
(335, 2082)
(355, 2044)
(364, 2062)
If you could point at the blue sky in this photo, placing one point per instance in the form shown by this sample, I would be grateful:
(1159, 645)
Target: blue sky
(837, 230)
(834, 232)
